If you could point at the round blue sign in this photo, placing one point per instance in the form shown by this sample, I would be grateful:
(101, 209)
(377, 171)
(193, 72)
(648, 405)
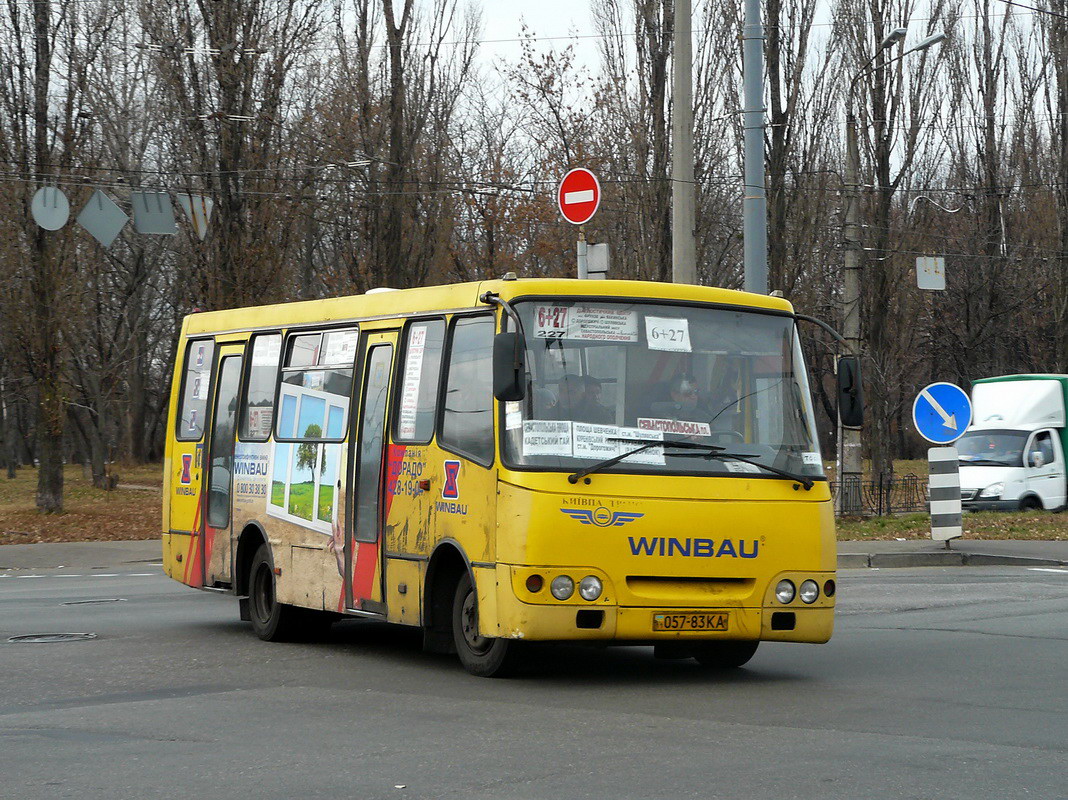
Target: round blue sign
(942, 412)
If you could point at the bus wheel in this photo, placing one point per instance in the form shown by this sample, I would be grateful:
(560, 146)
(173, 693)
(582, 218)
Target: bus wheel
(1030, 503)
(483, 656)
(724, 655)
(271, 621)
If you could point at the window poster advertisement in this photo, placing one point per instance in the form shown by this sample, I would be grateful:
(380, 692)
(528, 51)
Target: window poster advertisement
(413, 370)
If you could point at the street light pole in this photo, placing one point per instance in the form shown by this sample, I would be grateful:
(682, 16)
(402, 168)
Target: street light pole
(754, 196)
(850, 461)
(683, 206)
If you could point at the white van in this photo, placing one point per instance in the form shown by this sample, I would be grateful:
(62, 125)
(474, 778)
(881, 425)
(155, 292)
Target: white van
(1012, 455)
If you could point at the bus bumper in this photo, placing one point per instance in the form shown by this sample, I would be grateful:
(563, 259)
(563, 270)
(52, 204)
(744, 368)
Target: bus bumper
(606, 622)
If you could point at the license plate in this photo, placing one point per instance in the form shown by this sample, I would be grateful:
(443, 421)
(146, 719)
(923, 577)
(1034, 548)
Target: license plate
(690, 621)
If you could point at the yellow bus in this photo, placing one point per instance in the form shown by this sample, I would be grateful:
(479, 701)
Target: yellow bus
(507, 461)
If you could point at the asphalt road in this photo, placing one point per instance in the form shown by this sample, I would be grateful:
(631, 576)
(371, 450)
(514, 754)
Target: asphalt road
(939, 683)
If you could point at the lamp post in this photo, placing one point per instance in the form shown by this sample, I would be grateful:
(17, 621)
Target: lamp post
(850, 463)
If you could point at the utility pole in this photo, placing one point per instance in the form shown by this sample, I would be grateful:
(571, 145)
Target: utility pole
(755, 202)
(851, 465)
(683, 215)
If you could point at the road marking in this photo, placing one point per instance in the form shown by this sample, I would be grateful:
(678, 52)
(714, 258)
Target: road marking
(1049, 569)
(94, 575)
(949, 420)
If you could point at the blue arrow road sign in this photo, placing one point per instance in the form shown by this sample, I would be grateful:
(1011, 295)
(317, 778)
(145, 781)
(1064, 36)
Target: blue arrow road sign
(942, 412)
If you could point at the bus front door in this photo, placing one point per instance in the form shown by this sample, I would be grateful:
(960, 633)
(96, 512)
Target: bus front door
(215, 544)
(366, 512)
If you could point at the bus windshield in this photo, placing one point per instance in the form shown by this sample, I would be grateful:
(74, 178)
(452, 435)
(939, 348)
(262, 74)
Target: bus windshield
(603, 377)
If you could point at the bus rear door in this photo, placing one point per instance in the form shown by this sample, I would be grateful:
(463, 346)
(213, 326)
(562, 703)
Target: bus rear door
(215, 544)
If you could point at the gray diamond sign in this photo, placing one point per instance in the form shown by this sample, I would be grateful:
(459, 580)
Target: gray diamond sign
(102, 218)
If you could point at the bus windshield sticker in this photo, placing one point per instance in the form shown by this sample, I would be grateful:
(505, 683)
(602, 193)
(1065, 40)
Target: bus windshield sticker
(546, 437)
(675, 426)
(513, 415)
(413, 371)
(550, 322)
(667, 333)
(602, 324)
(740, 466)
(812, 459)
(654, 455)
(591, 441)
(340, 348)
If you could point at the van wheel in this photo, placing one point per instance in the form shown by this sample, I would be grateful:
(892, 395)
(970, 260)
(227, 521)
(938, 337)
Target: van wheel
(1031, 503)
(271, 621)
(483, 656)
(724, 655)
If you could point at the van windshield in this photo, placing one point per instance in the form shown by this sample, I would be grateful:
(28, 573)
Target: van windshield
(996, 448)
(602, 371)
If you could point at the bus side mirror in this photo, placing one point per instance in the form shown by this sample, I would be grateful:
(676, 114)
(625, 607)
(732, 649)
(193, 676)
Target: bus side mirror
(850, 392)
(509, 366)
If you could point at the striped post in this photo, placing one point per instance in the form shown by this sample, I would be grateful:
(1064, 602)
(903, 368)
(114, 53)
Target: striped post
(945, 494)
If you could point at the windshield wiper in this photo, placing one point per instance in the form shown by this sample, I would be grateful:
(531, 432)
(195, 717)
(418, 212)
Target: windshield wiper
(970, 462)
(804, 480)
(644, 444)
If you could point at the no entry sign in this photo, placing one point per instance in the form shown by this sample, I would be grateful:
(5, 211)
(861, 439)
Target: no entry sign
(578, 196)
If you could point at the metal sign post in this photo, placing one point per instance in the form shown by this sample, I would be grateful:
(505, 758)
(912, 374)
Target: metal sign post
(941, 413)
(578, 198)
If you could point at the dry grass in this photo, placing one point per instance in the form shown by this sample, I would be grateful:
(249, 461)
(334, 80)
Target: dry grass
(1043, 525)
(89, 514)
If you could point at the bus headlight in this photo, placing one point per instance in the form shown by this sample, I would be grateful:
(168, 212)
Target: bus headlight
(784, 591)
(590, 587)
(809, 592)
(562, 587)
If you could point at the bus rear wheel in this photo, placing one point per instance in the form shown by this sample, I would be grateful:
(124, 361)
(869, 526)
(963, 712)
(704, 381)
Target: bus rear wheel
(483, 656)
(724, 655)
(271, 621)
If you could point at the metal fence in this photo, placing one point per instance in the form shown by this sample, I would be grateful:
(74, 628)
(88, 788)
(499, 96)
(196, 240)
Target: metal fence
(886, 494)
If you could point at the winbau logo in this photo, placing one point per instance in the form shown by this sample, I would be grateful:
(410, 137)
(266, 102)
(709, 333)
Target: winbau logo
(601, 516)
(695, 548)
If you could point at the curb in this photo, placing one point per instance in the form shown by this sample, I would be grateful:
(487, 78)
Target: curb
(947, 559)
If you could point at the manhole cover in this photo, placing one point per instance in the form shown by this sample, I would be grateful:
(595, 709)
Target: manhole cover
(40, 638)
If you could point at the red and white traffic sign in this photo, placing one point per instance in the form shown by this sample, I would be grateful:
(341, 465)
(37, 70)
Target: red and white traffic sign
(578, 196)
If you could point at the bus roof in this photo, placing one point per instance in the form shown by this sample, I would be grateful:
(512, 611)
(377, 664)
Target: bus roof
(456, 296)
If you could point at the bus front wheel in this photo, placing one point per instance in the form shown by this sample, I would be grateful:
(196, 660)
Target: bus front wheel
(271, 621)
(483, 656)
(724, 655)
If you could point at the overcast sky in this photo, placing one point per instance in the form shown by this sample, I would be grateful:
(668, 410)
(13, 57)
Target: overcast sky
(501, 19)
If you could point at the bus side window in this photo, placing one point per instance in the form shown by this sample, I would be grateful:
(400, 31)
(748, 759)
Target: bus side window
(418, 398)
(467, 416)
(257, 405)
(195, 383)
